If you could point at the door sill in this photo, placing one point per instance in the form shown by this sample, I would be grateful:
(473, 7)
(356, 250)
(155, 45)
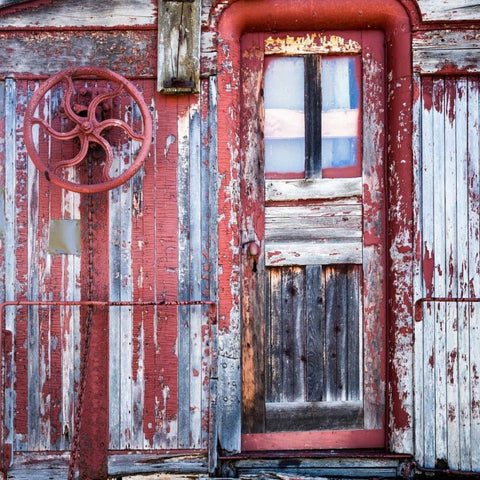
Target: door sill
(313, 440)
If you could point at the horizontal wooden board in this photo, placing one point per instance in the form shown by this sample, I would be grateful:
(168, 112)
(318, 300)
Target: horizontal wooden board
(44, 54)
(279, 253)
(81, 13)
(313, 222)
(438, 10)
(295, 416)
(320, 188)
(328, 439)
(451, 50)
(140, 463)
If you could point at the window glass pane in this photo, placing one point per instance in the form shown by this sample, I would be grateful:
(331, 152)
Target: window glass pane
(284, 116)
(340, 112)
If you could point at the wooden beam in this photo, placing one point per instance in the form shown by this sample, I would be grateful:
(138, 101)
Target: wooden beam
(178, 46)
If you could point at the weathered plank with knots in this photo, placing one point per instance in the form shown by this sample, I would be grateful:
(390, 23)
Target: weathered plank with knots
(312, 346)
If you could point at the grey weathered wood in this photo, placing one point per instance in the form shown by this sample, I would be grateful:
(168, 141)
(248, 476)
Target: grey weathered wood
(424, 183)
(314, 415)
(288, 190)
(38, 53)
(446, 49)
(474, 262)
(81, 13)
(451, 253)
(315, 335)
(433, 10)
(448, 387)
(179, 46)
(354, 333)
(463, 310)
(286, 321)
(189, 286)
(317, 222)
(119, 465)
(331, 464)
(274, 358)
(279, 253)
(335, 315)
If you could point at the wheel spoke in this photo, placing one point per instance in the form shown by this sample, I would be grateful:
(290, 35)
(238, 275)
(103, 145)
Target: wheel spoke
(113, 122)
(108, 154)
(67, 103)
(75, 132)
(101, 98)
(76, 159)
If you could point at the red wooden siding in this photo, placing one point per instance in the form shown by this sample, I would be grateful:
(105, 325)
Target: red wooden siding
(154, 362)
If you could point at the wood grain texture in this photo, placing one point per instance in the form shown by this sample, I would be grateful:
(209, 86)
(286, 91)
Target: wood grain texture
(433, 10)
(252, 266)
(307, 416)
(320, 188)
(46, 53)
(446, 51)
(447, 387)
(80, 13)
(312, 349)
(179, 46)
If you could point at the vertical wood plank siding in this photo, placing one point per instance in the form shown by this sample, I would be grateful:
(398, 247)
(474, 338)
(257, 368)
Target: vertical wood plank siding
(322, 365)
(446, 340)
(153, 353)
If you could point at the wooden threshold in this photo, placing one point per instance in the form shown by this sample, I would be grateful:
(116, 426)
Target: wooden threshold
(314, 440)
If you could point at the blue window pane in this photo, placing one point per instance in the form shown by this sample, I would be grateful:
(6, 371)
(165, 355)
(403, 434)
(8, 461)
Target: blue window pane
(340, 112)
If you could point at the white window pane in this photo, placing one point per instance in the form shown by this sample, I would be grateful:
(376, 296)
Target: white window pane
(281, 156)
(284, 115)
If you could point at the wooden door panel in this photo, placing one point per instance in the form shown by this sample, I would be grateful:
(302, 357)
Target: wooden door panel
(313, 301)
(312, 345)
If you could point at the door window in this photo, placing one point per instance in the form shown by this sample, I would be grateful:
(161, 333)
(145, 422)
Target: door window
(312, 116)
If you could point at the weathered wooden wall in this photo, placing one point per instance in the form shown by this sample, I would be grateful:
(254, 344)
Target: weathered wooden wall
(446, 143)
(157, 247)
(162, 244)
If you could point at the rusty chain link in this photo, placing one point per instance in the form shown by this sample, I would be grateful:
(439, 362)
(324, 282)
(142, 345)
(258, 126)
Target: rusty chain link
(85, 344)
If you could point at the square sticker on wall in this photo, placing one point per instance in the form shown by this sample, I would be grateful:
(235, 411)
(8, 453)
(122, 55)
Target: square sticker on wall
(64, 237)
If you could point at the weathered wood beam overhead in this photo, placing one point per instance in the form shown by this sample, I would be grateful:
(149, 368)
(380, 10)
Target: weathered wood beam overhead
(178, 46)
(9, 3)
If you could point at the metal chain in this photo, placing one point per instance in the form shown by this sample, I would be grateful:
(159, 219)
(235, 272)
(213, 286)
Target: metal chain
(85, 347)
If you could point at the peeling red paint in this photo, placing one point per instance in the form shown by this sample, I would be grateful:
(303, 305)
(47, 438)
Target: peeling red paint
(31, 5)
(431, 360)
(428, 270)
(452, 366)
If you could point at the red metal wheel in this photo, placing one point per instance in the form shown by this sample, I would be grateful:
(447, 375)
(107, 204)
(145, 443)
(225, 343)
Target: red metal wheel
(86, 129)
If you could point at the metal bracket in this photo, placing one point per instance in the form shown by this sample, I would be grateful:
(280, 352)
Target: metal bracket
(418, 311)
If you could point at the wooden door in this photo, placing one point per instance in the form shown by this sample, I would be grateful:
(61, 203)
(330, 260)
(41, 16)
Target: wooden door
(313, 296)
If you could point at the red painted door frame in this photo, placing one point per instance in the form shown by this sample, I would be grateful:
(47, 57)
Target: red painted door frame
(391, 17)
